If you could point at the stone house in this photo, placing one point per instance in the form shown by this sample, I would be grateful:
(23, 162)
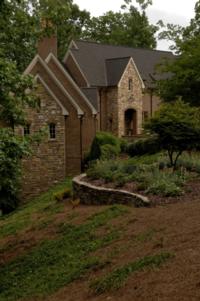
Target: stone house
(96, 88)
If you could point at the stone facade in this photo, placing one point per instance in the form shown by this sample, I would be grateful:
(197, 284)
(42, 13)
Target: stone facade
(45, 167)
(130, 97)
(115, 101)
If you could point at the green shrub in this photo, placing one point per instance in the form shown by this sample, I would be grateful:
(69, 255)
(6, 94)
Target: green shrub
(12, 149)
(123, 145)
(102, 170)
(62, 195)
(150, 177)
(109, 151)
(164, 188)
(166, 184)
(143, 146)
(98, 148)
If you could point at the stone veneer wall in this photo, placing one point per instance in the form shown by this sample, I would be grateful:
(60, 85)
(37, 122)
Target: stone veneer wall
(47, 164)
(93, 195)
(130, 99)
(109, 110)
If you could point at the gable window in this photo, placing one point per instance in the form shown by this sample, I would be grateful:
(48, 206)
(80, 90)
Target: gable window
(52, 131)
(27, 130)
(130, 84)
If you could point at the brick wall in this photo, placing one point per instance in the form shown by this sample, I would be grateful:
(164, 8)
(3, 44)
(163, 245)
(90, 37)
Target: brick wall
(147, 103)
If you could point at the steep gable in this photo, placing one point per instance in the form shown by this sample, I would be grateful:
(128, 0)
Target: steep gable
(64, 77)
(39, 66)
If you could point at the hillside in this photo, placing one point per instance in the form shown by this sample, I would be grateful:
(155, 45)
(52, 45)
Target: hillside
(50, 251)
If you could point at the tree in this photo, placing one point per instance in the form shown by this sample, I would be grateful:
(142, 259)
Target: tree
(18, 32)
(16, 92)
(128, 27)
(184, 76)
(67, 19)
(177, 126)
(20, 26)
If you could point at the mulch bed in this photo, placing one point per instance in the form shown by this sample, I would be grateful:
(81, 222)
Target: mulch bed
(191, 191)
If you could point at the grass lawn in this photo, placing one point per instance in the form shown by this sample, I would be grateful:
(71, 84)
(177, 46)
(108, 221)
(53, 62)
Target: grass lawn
(50, 251)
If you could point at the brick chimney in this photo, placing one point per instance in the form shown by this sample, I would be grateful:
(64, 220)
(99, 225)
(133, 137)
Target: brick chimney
(47, 44)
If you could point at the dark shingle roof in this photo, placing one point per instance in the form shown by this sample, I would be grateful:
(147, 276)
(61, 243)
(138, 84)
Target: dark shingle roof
(93, 60)
(115, 68)
(92, 96)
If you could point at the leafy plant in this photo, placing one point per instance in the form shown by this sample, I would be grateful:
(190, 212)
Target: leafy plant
(62, 195)
(12, 149)
(177, 126)
(105, 145)
(144, 146)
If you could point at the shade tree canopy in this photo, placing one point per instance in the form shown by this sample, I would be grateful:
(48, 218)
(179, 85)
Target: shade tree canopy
(177, 126)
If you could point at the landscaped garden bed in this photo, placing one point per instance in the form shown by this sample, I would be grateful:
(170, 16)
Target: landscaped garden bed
(150, 176)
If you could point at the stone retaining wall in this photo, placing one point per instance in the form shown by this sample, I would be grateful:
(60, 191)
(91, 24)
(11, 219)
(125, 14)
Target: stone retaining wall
(94, 195)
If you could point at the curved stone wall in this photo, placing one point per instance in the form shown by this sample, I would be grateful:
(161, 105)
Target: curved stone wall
(93, 195)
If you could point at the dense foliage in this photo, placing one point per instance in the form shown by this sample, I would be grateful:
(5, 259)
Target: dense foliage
(141, 147)
(128, 27)
(104, 146)
(177, 126)
(20, 26)
(12, 149)
(145, 171)
(184, 79)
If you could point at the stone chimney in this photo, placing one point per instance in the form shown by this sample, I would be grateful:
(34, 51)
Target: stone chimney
(47, 44)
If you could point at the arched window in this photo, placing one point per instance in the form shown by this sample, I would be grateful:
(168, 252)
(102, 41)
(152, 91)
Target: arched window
(52, 131)
(27, 130)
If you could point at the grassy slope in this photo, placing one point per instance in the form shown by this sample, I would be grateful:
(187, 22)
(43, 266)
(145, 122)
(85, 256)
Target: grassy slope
(54, 262)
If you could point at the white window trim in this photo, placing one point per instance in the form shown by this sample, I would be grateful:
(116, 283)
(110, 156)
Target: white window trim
(51, 74)
(52, 56)
(69, 53)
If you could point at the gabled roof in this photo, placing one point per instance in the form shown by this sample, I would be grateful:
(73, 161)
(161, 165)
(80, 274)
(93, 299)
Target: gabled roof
(38, 59)
(50, 92)
(92, 95)
(92, 56)
(115, 69)
(50, 57)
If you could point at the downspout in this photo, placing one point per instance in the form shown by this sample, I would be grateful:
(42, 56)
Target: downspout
(65, 145)
(81, 141)
(151, 102)
(100, 108)
(95, 124)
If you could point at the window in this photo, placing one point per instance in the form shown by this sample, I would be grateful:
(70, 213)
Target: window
(27, 130)
(52, 130)
(130, 84)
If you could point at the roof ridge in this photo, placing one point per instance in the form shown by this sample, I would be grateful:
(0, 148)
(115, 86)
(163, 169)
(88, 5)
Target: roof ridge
(124, 46)
(118, 58)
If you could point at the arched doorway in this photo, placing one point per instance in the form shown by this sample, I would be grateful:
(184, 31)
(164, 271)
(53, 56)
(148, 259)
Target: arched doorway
(130, 118)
